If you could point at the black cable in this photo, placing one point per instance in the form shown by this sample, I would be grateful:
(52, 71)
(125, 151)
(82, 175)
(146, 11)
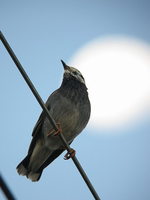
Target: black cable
(6, 189)
(40, 101)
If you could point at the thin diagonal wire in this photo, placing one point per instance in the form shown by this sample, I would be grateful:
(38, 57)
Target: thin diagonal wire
(6, 189)
(40, 101)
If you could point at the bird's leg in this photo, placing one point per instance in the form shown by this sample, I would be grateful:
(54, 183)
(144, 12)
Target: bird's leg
(70, 154)
(54, 132)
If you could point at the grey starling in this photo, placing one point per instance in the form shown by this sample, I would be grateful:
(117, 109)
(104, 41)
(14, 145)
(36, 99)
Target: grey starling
(70, 107)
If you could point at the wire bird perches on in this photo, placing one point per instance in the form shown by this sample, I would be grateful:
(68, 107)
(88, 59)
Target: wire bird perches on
(40, 101)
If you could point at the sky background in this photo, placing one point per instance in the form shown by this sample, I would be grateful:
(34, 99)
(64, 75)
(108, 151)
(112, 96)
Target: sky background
(41, 33)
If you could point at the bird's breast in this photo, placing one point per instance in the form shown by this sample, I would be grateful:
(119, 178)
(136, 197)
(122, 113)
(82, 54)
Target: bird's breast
(71, 115)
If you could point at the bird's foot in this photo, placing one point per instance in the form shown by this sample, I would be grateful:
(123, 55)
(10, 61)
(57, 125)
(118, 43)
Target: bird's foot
(53, 132)
(70, 154)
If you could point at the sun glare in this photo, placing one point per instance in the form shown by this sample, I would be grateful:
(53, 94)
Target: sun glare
(117, 74)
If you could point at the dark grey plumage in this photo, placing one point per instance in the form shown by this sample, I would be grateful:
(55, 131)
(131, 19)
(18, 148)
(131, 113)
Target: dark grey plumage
(70, 106)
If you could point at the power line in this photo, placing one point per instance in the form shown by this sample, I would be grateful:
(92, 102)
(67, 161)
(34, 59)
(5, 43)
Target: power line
(40, 101)
(6, 189)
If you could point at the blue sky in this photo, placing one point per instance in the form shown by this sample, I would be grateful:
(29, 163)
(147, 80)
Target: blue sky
(41, 33)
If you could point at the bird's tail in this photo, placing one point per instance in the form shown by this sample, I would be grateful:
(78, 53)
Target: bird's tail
(23, 170)
(31, 166)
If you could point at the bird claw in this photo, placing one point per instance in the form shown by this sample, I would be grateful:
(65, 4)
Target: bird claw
(70, 154)
(53, 132)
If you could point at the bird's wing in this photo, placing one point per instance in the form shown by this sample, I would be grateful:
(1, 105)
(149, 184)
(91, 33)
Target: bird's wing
(52, 157)
(40, 121)
(37, 131)
(38, 125)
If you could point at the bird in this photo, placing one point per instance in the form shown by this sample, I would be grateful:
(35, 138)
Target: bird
(70, 107)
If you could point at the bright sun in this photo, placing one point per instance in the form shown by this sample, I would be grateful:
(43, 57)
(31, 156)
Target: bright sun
(117, 74)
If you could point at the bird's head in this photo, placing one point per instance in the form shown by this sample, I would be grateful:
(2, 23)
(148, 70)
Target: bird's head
(71, 72)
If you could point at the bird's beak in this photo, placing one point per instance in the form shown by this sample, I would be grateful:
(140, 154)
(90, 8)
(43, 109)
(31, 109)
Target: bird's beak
(66, 67)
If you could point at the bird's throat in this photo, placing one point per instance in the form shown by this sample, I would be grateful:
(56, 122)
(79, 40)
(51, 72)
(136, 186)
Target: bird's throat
(74, 90)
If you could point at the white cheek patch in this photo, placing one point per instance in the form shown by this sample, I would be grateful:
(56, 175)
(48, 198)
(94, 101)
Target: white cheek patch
(80, 79)
(67, 71)
(78, 75)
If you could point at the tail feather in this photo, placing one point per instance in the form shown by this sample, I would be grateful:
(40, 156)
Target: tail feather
(33, 164)
(30, 166)
(22, 169)
(33, 176)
